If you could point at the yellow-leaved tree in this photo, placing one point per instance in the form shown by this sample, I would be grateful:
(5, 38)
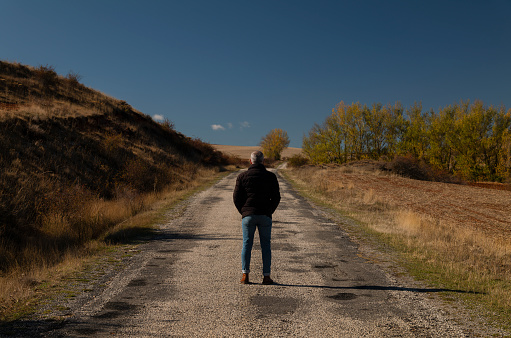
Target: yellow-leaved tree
(274, 143)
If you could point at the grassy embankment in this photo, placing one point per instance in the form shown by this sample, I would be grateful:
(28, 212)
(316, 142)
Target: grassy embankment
(80, 171)
(475, 265)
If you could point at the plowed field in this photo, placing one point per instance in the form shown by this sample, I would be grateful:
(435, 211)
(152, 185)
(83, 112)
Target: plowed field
(485, 208)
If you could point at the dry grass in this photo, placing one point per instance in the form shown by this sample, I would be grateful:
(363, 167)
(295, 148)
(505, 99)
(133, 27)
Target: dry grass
(123, 219)
(36, 111)
(456, 236)
(76, 167)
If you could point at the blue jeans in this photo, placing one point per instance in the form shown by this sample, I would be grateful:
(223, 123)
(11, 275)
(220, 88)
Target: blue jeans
(263, 224)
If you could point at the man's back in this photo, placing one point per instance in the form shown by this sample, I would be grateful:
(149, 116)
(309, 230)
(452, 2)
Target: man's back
(256, 192)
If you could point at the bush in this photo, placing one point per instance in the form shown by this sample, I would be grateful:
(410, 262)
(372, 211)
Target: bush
(167, 125)
(297, 160)
(408, 166)
(73, 79)
(139, 175)
(48, 77)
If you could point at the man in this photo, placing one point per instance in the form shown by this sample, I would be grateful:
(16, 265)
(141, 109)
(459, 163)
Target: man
(256, 196)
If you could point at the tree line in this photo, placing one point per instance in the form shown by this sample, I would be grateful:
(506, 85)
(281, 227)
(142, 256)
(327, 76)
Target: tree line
(469, 140)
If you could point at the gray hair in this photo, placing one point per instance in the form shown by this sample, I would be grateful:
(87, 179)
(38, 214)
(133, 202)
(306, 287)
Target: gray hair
(257, 157)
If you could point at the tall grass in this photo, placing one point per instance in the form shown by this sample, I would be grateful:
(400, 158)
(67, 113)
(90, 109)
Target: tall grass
(61, 219)
(69, 235)
(446, 254)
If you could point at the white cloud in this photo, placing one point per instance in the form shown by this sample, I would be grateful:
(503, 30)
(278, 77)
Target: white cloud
(158, 117)
(217, 127)
(245, 124)
(229, 125)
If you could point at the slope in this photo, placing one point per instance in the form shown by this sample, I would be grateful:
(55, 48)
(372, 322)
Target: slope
(64, 147)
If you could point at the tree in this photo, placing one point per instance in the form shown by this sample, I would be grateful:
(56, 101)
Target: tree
(384, 128)
(442, 138)
(415, 139)
(504, 166)
(481, 135)
(274, 143)
(313, 145)
(469, 140)
(357, 130)
(340, 121)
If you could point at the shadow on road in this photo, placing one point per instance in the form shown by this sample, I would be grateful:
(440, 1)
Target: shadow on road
(379, 287)
(138, 235)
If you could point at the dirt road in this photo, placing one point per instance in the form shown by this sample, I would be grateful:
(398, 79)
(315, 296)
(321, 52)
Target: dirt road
(185, 282)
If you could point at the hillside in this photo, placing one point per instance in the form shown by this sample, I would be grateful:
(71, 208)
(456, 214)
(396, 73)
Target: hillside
(64, 146)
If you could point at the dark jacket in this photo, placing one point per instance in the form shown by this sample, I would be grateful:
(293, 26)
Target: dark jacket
(256, 192)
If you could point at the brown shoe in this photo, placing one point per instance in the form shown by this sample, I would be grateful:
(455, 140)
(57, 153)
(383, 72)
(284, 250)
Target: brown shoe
(244, 279)
(267, 280)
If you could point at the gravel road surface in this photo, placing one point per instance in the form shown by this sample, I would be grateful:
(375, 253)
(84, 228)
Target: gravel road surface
(185, 282)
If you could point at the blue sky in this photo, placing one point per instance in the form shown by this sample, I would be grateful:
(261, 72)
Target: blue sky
(228, 72)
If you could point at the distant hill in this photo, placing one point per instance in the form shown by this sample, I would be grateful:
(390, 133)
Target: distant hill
(243, 152)
(59, 139)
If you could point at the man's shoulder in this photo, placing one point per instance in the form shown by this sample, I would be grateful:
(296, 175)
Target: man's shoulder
(273, 177)
(271, 173)
(244, 175)
(241, 175)
(256, 172)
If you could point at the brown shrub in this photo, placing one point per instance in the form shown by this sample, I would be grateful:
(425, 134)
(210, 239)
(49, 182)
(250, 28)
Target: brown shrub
(47, 77)
(111, 143)
(167, 125)
(73, 78)
(409, 166)
(297, 160)
(139, 175)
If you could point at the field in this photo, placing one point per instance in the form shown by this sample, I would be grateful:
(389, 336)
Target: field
(244, 152)
(468, 207)
(454, 236)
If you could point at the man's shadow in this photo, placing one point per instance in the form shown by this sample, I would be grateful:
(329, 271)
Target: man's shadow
(379, 288)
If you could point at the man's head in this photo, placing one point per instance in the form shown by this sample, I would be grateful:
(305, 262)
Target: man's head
(256, 157)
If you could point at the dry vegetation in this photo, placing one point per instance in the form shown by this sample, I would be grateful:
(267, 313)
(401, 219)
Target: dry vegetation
(452, 235)
(74, 164)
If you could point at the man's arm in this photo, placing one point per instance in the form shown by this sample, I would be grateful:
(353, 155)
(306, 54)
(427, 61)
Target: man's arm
(275, 194)
(239, 195)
